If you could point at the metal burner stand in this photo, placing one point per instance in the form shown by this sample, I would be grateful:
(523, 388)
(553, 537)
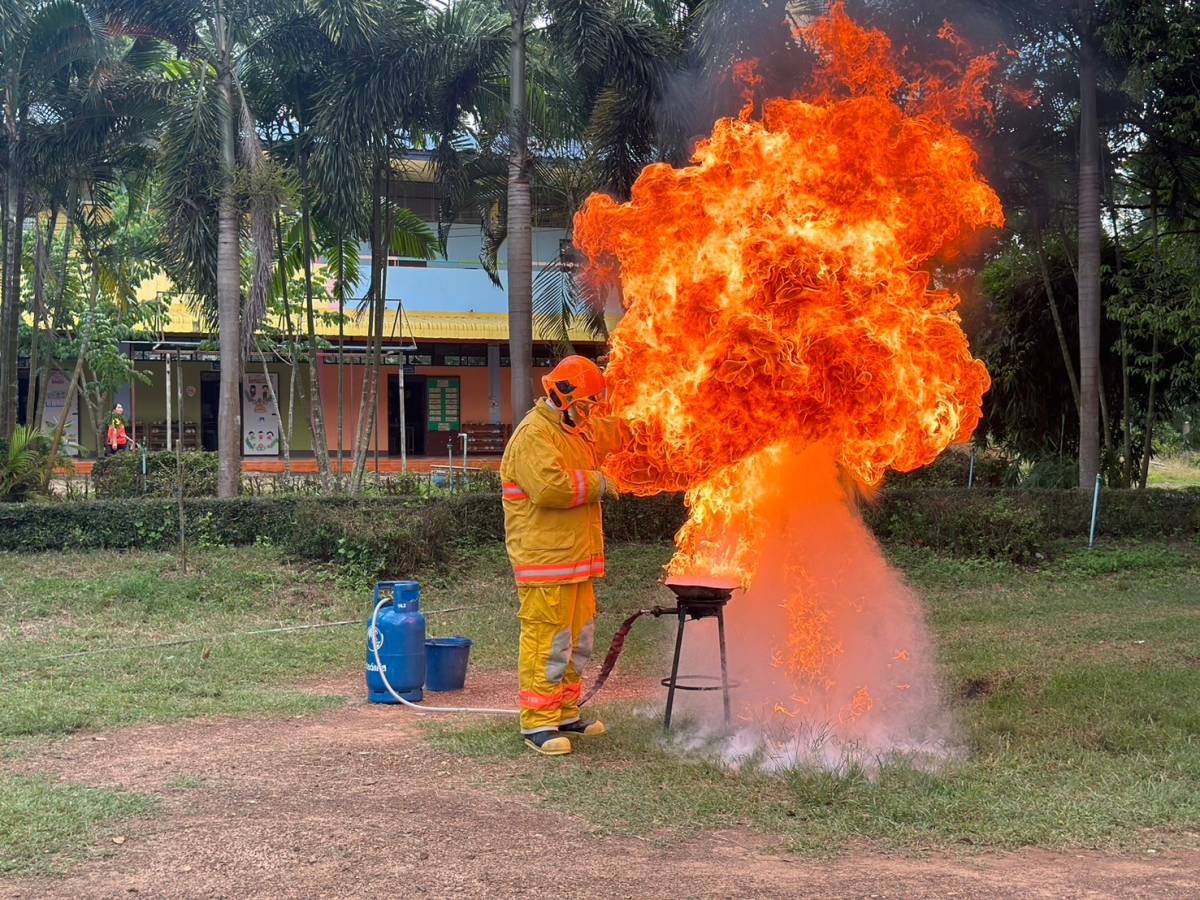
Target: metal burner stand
(697, 602)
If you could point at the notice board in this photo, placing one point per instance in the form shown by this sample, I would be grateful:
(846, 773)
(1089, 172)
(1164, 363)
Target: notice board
(260, 417)
(445, 408)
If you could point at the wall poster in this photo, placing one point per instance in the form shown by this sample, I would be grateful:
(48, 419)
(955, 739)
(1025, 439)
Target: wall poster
(260, 422)
(56, 402)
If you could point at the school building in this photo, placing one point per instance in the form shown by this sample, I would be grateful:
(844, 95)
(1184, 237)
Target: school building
(446, 366)
(446, 369)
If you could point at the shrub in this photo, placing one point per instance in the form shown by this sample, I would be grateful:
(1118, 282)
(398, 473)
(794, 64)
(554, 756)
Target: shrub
(25, 464)
(1123, 514)
(1052, 473)
(120, 476)
(484, 481)
(644, 518)
(397, 539)
(402, 535)
(963, 523)
(953, 470)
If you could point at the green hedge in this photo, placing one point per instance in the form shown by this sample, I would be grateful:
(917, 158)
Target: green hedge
(1014, 524)
(153, 524)
(953, 470)
(120, 476)
(962, 523)
(401, 535)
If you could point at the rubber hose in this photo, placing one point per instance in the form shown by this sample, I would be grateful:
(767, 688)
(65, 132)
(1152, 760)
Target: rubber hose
(614, 651)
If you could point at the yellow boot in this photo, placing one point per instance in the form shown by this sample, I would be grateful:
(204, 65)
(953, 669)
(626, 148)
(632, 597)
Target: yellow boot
(548, 743)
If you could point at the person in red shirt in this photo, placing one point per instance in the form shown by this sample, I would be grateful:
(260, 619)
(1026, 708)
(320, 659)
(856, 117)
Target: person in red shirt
(118, 440)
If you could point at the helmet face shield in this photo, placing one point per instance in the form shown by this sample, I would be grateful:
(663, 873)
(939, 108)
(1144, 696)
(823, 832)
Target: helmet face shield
(576, 387)
(577, 416)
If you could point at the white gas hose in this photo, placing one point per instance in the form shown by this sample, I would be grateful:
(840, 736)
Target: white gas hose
(423, 709)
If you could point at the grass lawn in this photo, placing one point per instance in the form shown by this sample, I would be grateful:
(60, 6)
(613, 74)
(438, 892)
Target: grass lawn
(1077, 685)
(74, 603)
(1175, 472)
(1083, 724)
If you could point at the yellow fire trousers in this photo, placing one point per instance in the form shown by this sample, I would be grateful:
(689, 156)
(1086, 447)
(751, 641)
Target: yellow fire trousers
(557, 636)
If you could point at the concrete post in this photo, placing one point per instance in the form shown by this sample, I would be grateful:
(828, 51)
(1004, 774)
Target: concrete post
(493, 355)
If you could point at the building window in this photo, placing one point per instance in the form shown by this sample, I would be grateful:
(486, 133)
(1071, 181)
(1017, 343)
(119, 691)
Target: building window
(460, 355)
(546, 356)
(422, 356)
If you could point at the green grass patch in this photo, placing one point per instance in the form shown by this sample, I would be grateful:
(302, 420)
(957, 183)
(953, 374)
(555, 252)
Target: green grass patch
(1074, 684)
(1152, 559)
(186, 783)
(44, 825)
(1175, 472)
(55, 605)
(58, 610)
(1074, 681)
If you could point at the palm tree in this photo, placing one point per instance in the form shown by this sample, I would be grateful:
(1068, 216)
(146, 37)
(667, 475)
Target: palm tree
(26, 464)
(520, 221)
(378, 103)
(584, 79)
(214, 171)
(44, 46)
(289, 65)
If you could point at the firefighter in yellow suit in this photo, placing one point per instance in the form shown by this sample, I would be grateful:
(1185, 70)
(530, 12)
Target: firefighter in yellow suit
(555, 539)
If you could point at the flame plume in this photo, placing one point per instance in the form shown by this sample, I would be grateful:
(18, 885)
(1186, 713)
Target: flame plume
(781, 326)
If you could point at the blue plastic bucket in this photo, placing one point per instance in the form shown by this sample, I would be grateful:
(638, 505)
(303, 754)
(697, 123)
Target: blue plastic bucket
(446, 663)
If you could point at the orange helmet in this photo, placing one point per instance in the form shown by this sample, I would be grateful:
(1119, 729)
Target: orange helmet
(574, 386)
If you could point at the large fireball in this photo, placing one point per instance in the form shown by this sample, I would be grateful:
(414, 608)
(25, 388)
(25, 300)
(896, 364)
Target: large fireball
(778, 303)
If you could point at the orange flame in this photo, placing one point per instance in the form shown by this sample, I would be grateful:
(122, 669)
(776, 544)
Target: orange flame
(778, 297)
(775, 290)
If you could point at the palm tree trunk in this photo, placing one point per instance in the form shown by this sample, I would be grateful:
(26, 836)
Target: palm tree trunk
(9, 299)
(1089, 256)
(11, 310)
(375, 329)
(5, 231)
(41, 256)
(316, 405)
(341, 359)
(520, 227)
(55, 320)
(381, 307)
(229, 307)
(13, 319)
(285, 434)
(291, 419)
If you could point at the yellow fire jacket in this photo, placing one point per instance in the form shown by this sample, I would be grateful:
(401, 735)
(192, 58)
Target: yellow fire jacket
(552, 490)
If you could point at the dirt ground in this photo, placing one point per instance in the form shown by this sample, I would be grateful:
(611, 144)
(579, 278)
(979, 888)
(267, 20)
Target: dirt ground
(352, 803)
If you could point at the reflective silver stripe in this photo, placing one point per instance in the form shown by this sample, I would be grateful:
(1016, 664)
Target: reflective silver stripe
(560, 656)
(580, 487)
(584, 646)
(583, 568)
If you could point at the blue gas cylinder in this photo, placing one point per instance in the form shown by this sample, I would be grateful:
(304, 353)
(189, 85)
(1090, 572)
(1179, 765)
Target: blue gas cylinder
(399, 636)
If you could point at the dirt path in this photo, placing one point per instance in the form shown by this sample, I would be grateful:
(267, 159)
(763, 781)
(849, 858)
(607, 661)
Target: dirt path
(352, 804)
